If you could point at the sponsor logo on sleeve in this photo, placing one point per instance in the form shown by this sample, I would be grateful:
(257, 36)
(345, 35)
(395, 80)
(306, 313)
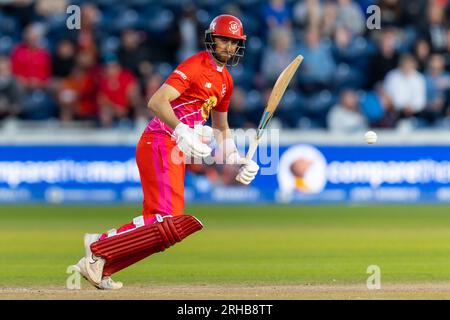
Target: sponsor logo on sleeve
(181, 73)
(224, 89)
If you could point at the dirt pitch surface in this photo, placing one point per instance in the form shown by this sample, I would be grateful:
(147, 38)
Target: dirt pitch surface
(244, 292)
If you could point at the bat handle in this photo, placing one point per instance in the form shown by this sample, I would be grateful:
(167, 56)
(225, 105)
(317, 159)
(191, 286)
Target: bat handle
(252, 149)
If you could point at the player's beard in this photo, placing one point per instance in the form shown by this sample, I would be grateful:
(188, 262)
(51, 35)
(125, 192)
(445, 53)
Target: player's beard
(224, 56)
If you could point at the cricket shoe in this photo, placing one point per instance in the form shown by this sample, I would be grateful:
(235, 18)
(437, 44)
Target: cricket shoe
(81, 268)
(94, 264)
(107, 283)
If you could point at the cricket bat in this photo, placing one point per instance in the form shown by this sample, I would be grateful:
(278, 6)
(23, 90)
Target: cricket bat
(274, 99)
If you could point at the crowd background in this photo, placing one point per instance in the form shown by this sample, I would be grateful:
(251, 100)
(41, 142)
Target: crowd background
(352, 78)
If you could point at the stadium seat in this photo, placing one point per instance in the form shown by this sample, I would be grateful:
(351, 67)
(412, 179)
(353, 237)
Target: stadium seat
(109, 44)
(6, 45)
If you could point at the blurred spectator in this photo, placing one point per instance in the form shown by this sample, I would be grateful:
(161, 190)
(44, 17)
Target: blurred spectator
(447, 52)
(188, 34)
(346, 116)
(438, 85)
(10, 91)
(88, 37)
(308, 13)
(345, 48)
(318, 66)
(435, 31)
(47, 8)
(119, 95)
(278, 54)
(406, 87)
(349, 56)
(152, 84)
(386, 58)
(412, 12)
(133, 55)
(23, 10)
(375, 106)
(421, 53)
(330, 34)
(349, 15)
(329, 18)
(63, 59)
(237, 114)
(77, 93)
(276, 13)
(184, 35)
(31, 63)
(391, 12)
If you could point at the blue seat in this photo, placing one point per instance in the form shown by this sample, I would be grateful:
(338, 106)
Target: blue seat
(109, 44)
(128, 19)
(347, 76)
(9, 25)
(158, 21)
(249, 4)
(254, 99)
(318, 103)
(39, 105)
(6, 45)
(242, 76)
(164, 69)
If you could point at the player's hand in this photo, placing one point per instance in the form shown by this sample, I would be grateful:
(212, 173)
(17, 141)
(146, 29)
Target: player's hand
(189, 143)
(248, 171)
(205, 135)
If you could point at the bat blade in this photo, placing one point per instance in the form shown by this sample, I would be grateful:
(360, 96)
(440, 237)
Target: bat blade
(277, 93)
(282, 83)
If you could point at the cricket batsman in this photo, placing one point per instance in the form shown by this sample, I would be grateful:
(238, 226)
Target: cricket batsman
(198, 88)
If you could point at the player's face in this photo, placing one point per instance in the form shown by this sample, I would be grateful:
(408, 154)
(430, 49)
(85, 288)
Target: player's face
(225, 48)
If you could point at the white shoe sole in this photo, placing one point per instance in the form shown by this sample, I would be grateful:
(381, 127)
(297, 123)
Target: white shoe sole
(101, 286)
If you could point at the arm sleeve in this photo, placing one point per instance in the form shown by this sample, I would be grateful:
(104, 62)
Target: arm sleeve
(225, 102)
(182, 77)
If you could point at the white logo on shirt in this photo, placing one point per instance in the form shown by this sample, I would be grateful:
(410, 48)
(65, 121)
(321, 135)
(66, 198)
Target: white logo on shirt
(224, 89)
(208, 85)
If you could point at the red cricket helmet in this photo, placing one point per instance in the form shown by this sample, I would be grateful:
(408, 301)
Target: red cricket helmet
(228, 26)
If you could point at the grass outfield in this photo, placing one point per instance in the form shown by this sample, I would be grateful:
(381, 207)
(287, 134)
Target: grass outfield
(309, 247)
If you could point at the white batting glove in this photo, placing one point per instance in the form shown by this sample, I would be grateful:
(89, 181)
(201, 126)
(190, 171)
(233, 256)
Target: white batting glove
(205, 134)
(189, 143)
(230, 154)
(248, 171)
